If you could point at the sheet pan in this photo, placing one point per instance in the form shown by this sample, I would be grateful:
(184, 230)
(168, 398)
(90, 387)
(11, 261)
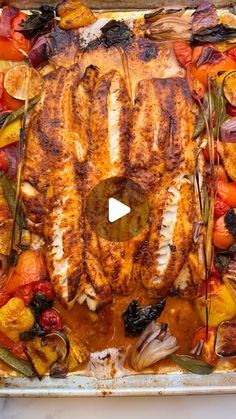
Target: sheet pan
(136, 385)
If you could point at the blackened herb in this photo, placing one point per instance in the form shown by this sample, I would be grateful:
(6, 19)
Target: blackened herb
(217, 34)
(39, 303)
(39, 22)
(116, 32)
(230, 222)
(32, 333)
(136, 318)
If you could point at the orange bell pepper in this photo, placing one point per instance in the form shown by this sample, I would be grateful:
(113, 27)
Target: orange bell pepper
(10, 47)
(222, 238)
(227, 192)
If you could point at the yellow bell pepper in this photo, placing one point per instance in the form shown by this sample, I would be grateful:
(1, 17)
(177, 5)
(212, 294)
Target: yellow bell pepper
(42, 357)
(15, 318)
(10, 134)
(221, 306)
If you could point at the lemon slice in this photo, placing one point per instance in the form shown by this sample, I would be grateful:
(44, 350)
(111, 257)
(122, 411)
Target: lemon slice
(228, 19)
(23, 81)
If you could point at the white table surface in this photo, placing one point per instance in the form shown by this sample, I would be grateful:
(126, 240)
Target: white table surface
(189, 407)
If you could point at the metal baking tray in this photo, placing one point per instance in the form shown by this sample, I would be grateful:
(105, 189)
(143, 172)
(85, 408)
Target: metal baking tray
(177, 383)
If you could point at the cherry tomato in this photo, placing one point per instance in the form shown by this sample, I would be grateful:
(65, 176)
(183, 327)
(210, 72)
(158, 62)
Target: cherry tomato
(220, 207)
(221, 235)
(4, 297)
(227, 192)
(26, 293)
(3, 161)
(231, 110)
(45, 288)
(50, 320)
(204, 340)
(183, 52)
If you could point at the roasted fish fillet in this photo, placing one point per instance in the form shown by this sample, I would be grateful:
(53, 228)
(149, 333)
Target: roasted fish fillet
(110, 122)
(163, 123)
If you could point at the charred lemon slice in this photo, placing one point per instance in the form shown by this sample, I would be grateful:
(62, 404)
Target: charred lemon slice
(23, 81)
(229, 88)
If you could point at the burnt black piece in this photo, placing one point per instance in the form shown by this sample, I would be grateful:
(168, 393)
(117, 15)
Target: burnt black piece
(218, 33)
(136, 318)
(38, 23)
(32, 333)
(39, 303)
(230, 222)
(116, 32)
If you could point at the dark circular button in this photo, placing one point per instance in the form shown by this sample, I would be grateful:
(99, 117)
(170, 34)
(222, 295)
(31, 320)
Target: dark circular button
(113, 195)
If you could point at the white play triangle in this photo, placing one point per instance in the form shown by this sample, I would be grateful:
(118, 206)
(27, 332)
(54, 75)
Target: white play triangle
(116, 210)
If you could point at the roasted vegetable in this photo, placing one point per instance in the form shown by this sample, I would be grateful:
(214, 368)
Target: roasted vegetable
(15, 46)
(155, 343)
(40, 303)
(136, 318)
(37, 22)
(116, 32)
(220, 207)
(204, 17)
(15, 318)
(18, 365)
(191, 364)
(78, 352)
(30, 268)
(218, 33)
(7, 117)
(228, 130)
(222, 237)
(220, 302)
(36, 331)
(183, 52)
(227, 192)
(50, 320)
(226, 339)
(170, 27)
(41, 357)
(10, 134)
(74, 15)
(230, 222)
(203, 345)
(229, 87)
(59, 342)
(23, 82)
(222, 259)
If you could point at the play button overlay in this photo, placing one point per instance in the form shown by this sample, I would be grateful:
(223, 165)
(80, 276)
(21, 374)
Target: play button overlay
(117, 209)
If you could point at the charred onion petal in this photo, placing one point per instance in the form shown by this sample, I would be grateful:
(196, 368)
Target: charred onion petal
(40, 21)
(191, 364)
(155, 343)
(116, 32)
(225, 345)
(204, 17)
(59, 342)
(40, 51)
(153, 16)
(59, 369)
(136, 318)
(170, 27)
(217, 34)
(228, 130)
(209, 55)
(230, 222)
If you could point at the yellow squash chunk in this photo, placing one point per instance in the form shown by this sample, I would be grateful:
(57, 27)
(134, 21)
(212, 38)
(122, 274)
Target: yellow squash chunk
(229, 88)
(221, 306)
(75, 15)
(78, 353)
(42, 357)
(10, 134)
(15, 318)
